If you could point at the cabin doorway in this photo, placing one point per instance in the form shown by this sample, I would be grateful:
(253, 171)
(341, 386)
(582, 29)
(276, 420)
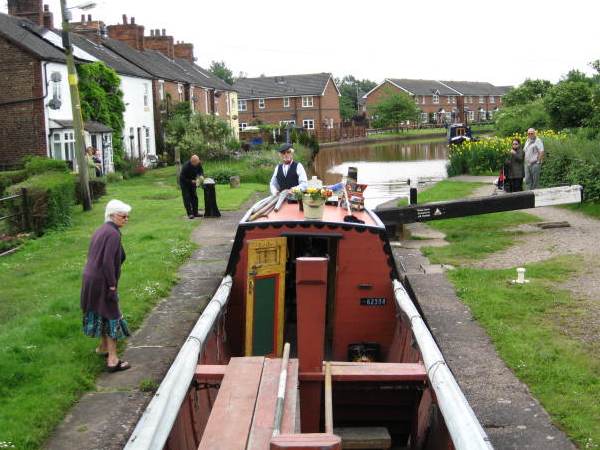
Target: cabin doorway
(309, 245)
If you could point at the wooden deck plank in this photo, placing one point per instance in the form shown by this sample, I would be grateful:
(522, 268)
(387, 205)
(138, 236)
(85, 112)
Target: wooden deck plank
(231, 416)
(210, 372)
(264, 413)
(349, 371)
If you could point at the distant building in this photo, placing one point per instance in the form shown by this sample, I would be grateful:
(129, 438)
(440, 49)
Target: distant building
(309, 101)
(439, 100)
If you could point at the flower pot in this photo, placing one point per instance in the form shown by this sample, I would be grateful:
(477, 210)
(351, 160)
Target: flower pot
(313, 209)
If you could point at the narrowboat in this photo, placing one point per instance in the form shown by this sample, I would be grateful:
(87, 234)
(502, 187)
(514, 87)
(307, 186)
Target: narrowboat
(459, 133)
(311, 341)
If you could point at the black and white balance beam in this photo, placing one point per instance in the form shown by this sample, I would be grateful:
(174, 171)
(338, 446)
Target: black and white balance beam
(480, 205)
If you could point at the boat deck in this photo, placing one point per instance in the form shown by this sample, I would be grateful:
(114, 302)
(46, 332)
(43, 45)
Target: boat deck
(291, 212)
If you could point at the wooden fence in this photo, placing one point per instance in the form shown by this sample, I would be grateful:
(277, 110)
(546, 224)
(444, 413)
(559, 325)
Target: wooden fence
(23, 212)
(339, 133)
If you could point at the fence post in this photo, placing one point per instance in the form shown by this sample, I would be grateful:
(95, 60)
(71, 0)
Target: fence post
(25, 216)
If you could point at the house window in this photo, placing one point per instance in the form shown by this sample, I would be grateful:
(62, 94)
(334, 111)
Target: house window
(417, 99)
(309, 124)
(192, 99)
(145, 95)
(286, 102)
(424, 117)
(287, 122)
(481, 99)
(243, 126)
(147, 131)
(436, 99)
(261, 103)
(471, 115)
(449, 99)
(180, 91)
(422, 100)
(161, 90)
(434, 117)
(56, 90)
(242, 105)
(56, 147)
(307, 102)
(492, 99)
(68, 145)
(454, 99)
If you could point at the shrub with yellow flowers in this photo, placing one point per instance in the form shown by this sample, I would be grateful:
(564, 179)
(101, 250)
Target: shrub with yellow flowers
(486, 156)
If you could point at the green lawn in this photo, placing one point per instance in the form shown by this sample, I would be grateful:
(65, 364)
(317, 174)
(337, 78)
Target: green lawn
(45, 361)
(522, 321)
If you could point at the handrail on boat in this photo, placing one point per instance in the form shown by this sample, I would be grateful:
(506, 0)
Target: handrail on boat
(465, 430)
(154, 427)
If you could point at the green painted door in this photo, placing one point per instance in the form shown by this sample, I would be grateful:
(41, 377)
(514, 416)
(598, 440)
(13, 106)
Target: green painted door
(264, 316)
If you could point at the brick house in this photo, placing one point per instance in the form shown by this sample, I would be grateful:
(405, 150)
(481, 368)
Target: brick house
(439, 101)
(35, 105)
(310, 101)
(176, 77)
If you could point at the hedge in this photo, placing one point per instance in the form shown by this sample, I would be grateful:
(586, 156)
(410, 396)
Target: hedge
(50, 197)
(37, 165)
(11, 177)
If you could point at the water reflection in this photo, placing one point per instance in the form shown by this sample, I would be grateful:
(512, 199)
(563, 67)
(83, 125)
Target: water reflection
(385, 167)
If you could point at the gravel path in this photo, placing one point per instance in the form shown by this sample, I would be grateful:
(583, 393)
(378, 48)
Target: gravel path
(581, 239)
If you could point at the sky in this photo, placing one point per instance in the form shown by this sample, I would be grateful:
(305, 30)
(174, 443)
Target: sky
(503, 43)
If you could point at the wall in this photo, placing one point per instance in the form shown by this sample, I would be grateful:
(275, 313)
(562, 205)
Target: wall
(22, 130)
(137, 115)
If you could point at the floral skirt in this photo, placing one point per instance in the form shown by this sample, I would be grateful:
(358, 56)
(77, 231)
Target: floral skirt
(95, 325)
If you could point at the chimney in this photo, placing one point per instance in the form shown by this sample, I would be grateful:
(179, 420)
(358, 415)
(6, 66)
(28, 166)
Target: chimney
(161, 43)
(129, 33)
(151, 32)
(27, 9)
(90, 29)
(184, 51)
(48, 18)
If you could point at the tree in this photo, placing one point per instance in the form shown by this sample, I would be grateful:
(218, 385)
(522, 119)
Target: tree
(529, 91)
(569, 104)
(101, 100)
(394, 109)
(219, 69)
(516, 119)
(351, 90)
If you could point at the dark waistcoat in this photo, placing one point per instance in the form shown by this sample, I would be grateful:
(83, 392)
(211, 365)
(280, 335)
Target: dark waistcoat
(289, 181)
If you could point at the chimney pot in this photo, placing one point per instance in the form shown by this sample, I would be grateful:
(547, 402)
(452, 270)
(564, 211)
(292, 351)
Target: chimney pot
(82, 18)
(157, 32)
(164, 32)
(46, 8)
(151, 32)
(89, 17)
(133, 21)
(124, 19)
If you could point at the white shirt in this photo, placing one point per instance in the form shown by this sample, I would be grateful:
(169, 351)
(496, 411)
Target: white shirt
(302, 178)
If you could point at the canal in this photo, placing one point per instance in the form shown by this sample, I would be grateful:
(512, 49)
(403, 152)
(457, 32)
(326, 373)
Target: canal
(385, 167)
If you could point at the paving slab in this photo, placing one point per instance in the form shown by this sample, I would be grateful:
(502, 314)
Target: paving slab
(510, 415)
(104, 419)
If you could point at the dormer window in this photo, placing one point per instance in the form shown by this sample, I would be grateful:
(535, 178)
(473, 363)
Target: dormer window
(436, 99)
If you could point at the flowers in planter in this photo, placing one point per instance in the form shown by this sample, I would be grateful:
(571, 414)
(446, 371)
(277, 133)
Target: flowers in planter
(312, 192)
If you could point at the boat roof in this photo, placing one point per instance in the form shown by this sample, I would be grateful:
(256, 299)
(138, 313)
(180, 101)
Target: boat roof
(290, 212)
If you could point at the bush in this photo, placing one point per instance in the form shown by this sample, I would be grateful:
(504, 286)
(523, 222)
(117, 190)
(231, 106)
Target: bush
(50, 198)
(11, 177)
(114, 177)
(97, 189)
(221, 175)
(516, 119)
(38, 164)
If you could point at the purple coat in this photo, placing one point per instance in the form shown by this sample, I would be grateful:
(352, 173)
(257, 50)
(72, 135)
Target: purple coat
(102, 271)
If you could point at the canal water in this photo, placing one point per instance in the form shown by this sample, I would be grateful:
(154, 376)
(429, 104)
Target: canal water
(385, 167)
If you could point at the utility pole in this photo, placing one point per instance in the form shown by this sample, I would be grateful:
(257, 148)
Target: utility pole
(76, 108)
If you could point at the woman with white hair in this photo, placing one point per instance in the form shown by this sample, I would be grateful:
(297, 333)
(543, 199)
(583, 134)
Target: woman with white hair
(99, 297)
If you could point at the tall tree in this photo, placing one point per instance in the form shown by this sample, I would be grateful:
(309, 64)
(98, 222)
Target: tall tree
(220, 69)
(569, 104)
(529, 91)
(351, 90)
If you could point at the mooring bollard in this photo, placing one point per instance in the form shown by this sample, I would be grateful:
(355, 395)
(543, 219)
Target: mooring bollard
(520, 276)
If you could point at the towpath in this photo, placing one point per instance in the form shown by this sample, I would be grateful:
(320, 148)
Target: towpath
(103, 419)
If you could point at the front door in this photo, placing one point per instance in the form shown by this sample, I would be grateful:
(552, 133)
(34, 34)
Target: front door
(265, 293)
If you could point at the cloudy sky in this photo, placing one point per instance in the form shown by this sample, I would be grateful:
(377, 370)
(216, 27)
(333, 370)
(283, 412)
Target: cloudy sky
(503, 42)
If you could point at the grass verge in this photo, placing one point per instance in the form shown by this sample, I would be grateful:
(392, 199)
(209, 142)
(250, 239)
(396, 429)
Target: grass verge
(45, 361)
(522, 320)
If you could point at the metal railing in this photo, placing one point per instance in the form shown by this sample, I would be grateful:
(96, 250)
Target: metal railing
(23, 211)
(465, 430)
(154, 427)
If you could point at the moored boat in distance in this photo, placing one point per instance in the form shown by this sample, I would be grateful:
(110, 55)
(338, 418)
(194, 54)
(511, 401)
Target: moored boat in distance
(311, 341)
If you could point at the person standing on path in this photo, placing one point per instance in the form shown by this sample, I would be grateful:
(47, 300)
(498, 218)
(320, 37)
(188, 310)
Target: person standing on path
(99, 301)
(534, 156)
(516, 169)
(288, 173)
(188, 180)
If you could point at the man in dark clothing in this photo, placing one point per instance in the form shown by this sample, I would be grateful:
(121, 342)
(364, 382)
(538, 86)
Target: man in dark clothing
(190, 172)
(289, 173)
